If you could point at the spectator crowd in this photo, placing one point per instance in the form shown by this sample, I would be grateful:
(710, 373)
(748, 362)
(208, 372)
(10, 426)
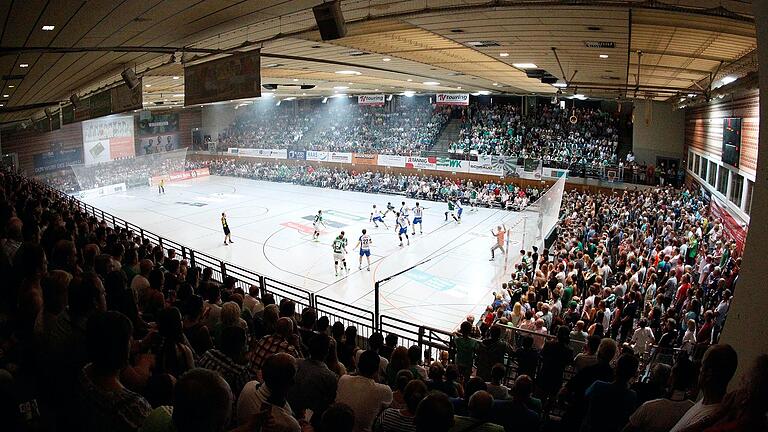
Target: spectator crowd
(102, 330)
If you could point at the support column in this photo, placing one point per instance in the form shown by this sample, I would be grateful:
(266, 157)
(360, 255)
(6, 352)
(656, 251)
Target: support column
(747, 326)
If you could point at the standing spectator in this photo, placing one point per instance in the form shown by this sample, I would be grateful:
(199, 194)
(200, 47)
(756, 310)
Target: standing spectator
(660, 415)
(315, 385)
(609, 405)
(491, 351)
(362, 392)
(466, 346)
(278, 371)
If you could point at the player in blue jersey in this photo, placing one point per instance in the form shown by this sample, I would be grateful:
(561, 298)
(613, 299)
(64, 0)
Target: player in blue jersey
(364, 243)
(402, 228)
(459, 209)
(417, 213)
(377, 216)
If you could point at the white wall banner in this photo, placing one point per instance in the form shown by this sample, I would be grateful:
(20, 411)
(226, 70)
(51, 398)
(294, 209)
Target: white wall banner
(317, 156)
(485, 167)
(108, 138)
(340, 157)
(419, 162)
(101, 191)
(452, 99)
(392, 161)
(262, 153)
(377, 99)
(452, 165)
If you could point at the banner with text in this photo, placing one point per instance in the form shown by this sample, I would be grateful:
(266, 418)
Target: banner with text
(317, 156)
(297, 154)
(452, 165)
(340, 157)
(180, 176)
(376, 100)
(733, 230)
(392, 161)
(57, 159)
(365, 159)
(108, 138)
(452, 99)
(262, 153)
(419, 162)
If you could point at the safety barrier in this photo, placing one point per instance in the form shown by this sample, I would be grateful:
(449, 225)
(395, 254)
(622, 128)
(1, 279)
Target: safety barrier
(364, 320)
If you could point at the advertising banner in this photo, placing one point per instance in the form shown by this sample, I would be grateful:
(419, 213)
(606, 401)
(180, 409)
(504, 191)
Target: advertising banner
(392, 161)
(235, 77)
(108, 138)
(485, 167)
(375, 100)
(180, 176)
(157, 144)
(297, 154)
(340, 157)
(452, 99)
(452, 165)
(419, 162)
(124, 99)
(317, 156)
(364, 159)
(57, 159)
(262, 153)
(101, 191)
(732, 229)
(153, 123)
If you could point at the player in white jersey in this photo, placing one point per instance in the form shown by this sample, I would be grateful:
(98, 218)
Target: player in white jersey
(339, 247)
(377, 216)
(316, 224)
(364, 243)
(404, 209)
(402, 228)
(417, 213)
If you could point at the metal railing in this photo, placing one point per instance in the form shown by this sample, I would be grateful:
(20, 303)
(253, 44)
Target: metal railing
(367, 322)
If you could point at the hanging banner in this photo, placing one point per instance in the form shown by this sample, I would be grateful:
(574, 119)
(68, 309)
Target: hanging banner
(375, 100)
(732, 229)
(262, 153)
(297, 154)
(108, 138)
(392, 161)
(452, 165)
(317, 156)
(124, 99)
(452, 99)
(485, 166)
(419, 162)
(340, 157)
(57, 159)
(364, 159)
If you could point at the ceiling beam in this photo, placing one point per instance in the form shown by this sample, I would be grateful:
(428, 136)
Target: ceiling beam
(681, 54)
(6, 51)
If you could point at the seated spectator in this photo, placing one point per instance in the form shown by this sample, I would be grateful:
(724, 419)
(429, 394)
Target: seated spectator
(434, 414)
(655, 386)
(575, 389)
(498, 390)
(314, 385)
(337, 418)
(609, 404)
(398, 398)
(390, 343)
(102, 402)
(461, 405)
(282, 341)
(278, 374)
(480, 415)
(518, 413)
(363, 393)
(174, 355)
(229, 360)
(660, 415)
(435, 381)
(375, 342)
(402, 419)
(589, 356)
(196, 332)
(717, 368)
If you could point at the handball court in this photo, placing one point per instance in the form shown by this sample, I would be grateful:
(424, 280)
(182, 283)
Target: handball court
(271, 227)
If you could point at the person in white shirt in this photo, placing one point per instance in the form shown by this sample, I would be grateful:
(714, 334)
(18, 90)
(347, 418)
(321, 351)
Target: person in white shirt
(363, 394)
(659, 415)
(643, 338)
(717, 369)
(278, 372)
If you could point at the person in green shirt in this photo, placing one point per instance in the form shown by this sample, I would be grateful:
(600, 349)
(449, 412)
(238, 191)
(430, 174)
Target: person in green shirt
(339, 247)
(567, 293)
(465, 350)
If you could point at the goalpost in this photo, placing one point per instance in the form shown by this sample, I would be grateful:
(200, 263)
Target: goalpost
(121, 174)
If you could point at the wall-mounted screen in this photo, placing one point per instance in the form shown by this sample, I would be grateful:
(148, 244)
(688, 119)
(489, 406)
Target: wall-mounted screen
(731, 141)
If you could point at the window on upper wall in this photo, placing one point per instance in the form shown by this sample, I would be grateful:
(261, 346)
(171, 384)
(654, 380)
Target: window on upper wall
(696, 163)
(712, 173)
(748, 198)
(737, 189)
(690, 160)
(722, 180)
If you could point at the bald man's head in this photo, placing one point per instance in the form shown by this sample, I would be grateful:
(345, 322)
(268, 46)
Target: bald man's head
(284, 327)
(279, 371)
(480, 405)
(202, 402)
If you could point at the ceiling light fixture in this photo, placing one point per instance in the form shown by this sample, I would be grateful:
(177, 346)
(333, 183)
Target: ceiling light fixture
(458, 88)
(496, 84)
(386, 59)
(524, 65)
(484, 92)
(11, 86)
(729, 79)
(603, 56)
(348, 72)
(409, 93)
(23, 65)
(48, 27)
(691, 95)
(340, 88)
(409, 80)
(560, 85)
(295, 79)
(303, 94)
(503, 54)
(290, 98)
(147, 85)
(178, 95)
(175, 77)
(431, 83)
(5, 96)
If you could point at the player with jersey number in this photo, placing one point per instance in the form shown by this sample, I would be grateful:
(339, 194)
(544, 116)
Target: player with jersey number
(316, 224)
(377, 216)
(404, 210)
(364, 243)
(339, 246)
(402, 228)
(451, 211)
(417, 213)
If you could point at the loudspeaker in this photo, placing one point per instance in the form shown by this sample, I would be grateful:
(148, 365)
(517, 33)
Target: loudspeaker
(330, 21)
(75, 99)
(307, 86)
(270, 86)
(129, 76)
(48, 113)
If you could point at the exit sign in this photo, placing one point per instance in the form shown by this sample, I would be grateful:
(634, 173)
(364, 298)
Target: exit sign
(600, 44)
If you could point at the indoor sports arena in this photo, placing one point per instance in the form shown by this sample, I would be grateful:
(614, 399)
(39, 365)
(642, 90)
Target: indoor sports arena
(383, 215)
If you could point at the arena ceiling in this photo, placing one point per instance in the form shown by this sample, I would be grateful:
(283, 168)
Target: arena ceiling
(650, 49)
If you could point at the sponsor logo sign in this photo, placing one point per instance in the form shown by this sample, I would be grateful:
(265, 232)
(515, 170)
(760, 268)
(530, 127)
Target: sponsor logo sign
(318, 156)
(419, 162)
(297, 154)
(264, 153)
(452, 99)
(392, 161)
(453, 165)
(365, 159)
(101, 191)
(180, 176)
(57, 159)
(371, 99)
(485, 167)
(732, 229)
(340, 157)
